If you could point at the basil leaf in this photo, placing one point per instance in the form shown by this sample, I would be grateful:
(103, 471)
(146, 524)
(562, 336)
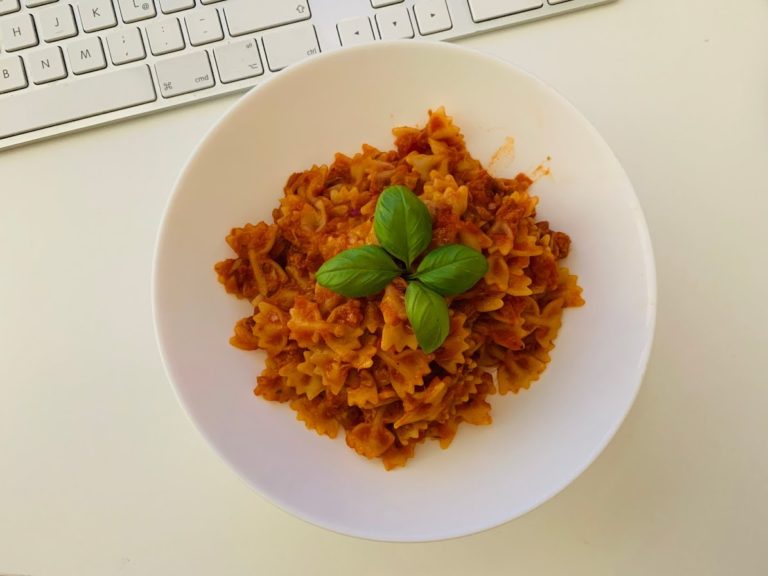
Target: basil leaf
(451, 269)
(428, 314)
(402, 223)
(358, 272)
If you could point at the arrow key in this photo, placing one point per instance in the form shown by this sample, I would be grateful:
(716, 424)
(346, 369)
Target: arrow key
(394, 23)
(355, 31)
(238, 60)
(432, 16)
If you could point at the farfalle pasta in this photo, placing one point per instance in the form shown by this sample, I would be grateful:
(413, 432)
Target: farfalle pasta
(354, 364)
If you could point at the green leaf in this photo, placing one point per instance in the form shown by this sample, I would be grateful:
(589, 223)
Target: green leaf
(358, 272)
(452, 269)
(402, 223)
(428, 314)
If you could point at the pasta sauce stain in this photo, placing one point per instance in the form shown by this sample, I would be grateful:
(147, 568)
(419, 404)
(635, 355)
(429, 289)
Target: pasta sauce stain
(504, 156)
(541, 170)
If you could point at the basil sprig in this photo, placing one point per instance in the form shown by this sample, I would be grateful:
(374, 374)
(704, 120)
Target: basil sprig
(358, 272)
(403, 227)
(428, 314)
(402, 224)
(452, 269)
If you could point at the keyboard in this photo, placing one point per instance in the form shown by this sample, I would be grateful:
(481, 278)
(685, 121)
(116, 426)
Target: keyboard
(66, 65)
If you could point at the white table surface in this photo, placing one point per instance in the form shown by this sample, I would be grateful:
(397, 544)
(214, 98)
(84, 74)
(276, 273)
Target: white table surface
(102, 473)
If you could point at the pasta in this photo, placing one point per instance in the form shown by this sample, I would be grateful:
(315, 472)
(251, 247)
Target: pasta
(353, 364)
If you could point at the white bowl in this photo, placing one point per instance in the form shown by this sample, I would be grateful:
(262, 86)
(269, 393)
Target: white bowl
(540, 439)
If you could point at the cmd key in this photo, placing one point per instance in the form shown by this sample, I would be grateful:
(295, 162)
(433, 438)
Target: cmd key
(184, 74)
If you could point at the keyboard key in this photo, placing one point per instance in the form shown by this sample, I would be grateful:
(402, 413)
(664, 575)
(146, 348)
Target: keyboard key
(18, 32)
(381, 3)
(288, 45)
(97, 15)
(184, 74)
(86, 55)
(33, 3)
(246, 16)
(12, 75)
(170, 6)
(355, 31)
(135, 10)
(46, 65)
(165, 36)
(394, 23)
(483, 10)
(68, 101)
(432, 16)
(238, 60)
(57, 23)
(125, 45)
(9, 6)
(209, 1)
(203, 26)
(557, 1)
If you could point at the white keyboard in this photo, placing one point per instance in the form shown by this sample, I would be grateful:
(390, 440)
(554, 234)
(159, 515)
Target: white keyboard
(71, 64)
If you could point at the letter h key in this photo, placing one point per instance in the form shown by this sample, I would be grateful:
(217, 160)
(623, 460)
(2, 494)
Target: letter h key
(18, 32)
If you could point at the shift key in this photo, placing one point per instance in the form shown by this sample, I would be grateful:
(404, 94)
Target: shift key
(247, 16)
(184, 74)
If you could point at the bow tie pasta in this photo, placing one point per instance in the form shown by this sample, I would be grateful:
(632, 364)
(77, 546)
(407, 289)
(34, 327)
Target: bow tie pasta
(354, 364)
